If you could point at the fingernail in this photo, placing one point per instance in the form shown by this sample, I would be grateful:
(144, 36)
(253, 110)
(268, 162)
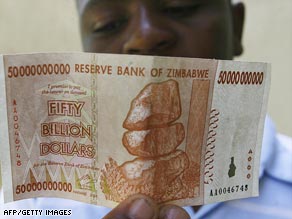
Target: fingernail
(174, 213)
(141, 209)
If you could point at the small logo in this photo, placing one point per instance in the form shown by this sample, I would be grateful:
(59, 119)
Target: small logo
(232, 168)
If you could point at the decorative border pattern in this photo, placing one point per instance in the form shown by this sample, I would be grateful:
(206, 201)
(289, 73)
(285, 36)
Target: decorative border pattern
(210, 147)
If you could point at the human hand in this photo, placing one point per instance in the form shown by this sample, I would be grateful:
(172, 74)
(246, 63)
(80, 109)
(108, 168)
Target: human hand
(142, 207)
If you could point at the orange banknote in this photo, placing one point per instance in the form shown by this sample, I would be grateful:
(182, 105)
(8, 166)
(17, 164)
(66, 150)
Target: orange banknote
(98, 128)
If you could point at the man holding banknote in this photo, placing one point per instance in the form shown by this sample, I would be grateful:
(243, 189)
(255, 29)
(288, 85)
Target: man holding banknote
(184, 28)
(187, 28)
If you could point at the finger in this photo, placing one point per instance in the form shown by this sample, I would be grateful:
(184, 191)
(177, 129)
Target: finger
(172, 212)
(135, 207)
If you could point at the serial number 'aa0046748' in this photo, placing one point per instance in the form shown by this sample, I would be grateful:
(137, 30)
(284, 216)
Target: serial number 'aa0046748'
(243, 78)
(228, 190)
(39, 186)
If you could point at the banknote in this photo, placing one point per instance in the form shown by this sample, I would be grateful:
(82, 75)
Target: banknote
(98, 128)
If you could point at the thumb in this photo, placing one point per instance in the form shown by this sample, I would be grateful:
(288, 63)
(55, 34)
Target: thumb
(135, 207)
(173, 212)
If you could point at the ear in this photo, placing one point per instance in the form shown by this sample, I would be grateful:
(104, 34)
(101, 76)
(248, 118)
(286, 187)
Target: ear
(238, 12)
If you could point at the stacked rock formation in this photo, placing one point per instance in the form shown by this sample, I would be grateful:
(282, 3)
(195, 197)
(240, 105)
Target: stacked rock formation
(153, 137)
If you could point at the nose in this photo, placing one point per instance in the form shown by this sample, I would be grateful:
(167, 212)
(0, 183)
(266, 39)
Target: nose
(149, 36)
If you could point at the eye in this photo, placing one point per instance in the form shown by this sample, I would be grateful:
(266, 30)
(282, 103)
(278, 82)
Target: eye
(180, 11)
(109, 27)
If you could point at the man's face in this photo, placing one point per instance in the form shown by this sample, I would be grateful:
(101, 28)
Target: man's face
(185, 28)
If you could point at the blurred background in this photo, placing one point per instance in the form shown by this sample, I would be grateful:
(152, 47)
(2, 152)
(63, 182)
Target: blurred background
(46, 26)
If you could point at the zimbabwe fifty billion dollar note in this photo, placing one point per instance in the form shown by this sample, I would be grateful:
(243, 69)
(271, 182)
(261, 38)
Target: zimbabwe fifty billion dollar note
(98, 128)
